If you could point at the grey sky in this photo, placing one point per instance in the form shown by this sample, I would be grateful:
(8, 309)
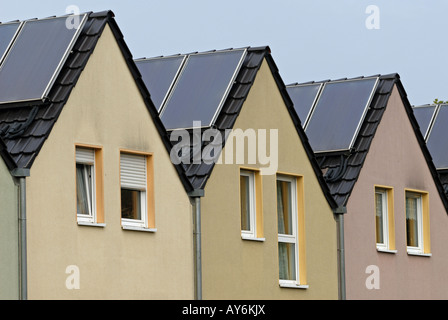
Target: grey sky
(310, 40)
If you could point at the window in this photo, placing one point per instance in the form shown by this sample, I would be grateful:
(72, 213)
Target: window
(247, 194)
(137, 210)
(250, 202)
(381, 217)
(384, 219)
(417, 223)
(289, 217)
(89, 185)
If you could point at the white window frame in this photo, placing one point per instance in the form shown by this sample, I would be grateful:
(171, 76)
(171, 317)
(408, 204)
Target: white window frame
(385, 219)
(286, 238)
(252, 232)
(418, 249)
(84, 157)
(134, 224)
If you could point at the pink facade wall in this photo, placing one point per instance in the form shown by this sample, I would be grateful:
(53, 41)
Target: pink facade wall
(396, 160)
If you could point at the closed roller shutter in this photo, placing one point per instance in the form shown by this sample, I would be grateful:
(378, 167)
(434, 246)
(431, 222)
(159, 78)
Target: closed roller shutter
(86, 156)
(133, 171)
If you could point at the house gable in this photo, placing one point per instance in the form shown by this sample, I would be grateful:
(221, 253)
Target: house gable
(397, 160)
(106, 110)
(265, 109)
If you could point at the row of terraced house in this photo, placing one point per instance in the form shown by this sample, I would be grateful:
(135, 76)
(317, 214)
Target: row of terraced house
(205, 176)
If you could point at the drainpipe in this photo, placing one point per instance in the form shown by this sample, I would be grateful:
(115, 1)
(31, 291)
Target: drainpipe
(21, 174)
(195, 198)
(339, 212)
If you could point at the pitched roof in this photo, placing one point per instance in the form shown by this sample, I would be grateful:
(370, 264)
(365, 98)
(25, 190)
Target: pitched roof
(198, 173)
(24, 129)
(342, 169)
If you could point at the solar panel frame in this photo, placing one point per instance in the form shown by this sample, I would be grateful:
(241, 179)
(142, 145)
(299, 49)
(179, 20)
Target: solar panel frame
(431, 121)
(226, 92)
(435, 156)
(60, 63)
(316, 97)
(65, 56)
(366, 107)
(3, 56)
(184, 58)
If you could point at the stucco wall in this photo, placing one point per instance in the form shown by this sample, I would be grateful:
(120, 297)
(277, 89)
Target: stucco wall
(9, 281)
(105, 109)
(243, 269)
(395, 159)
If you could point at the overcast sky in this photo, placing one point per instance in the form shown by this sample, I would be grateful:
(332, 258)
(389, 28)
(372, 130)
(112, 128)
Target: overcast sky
(309, 40)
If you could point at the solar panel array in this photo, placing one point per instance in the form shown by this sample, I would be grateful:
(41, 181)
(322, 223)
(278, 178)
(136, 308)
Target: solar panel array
(196, 91)
(34, 52)
(332, 116)
(436, 131)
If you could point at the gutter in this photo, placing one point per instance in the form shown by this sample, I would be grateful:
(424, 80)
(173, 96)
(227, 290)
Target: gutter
(21, 174)
(339, 212)
(195, 198)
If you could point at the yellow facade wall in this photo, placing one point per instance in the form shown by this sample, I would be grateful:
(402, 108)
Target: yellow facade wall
(234, 268)
(105, 109)
(9, 247)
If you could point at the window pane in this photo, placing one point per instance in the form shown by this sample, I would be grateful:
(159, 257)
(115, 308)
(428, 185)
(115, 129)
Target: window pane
(286, 261)
(379, 217)
(130, 204)
(284, 209)
(412, 221)
(83, 188)
(245, 203)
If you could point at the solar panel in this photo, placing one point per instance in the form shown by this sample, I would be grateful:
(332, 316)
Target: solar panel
(159, 74)
(303, 97)
(7, 33)
(424, 115)
(437, 142)
(201, 88)
(339, 111)
(35, 58)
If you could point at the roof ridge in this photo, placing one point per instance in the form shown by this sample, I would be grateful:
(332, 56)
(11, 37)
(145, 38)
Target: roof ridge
(381, 76)
(248, 48)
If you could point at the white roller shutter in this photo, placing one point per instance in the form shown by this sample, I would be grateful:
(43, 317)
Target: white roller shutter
(86, 156)
(133, 171)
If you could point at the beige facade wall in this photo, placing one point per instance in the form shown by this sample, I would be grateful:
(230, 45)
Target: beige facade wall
(105, 109)
(245, 269)
(395, 160)
(9, 279)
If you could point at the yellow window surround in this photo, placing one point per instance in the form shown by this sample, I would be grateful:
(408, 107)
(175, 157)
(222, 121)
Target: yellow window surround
(150, 202)
(425, 218)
